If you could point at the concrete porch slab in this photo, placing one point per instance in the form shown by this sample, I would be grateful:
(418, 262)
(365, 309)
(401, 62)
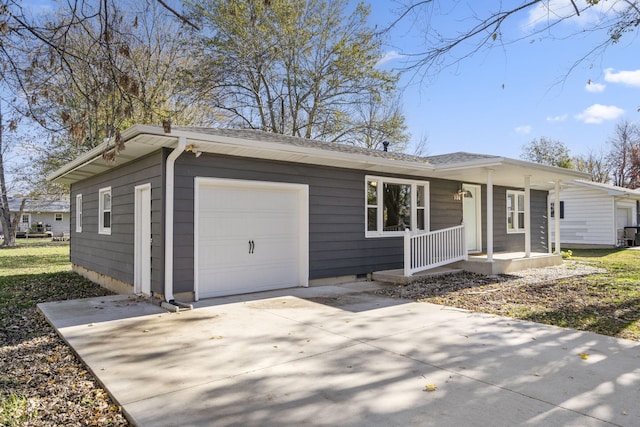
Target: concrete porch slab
(507, 262)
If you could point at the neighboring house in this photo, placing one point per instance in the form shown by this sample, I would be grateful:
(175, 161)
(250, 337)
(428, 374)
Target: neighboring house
(201, 212)
(595, 215)
(42, 216)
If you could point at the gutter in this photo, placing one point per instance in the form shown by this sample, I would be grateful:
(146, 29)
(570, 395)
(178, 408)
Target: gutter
(168, 224)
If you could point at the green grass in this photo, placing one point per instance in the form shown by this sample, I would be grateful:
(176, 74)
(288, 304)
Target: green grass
(14, 412)
(34, 256)
(35, 271)
(606, 303)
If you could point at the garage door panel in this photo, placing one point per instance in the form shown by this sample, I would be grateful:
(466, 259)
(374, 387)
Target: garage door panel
(249, 237)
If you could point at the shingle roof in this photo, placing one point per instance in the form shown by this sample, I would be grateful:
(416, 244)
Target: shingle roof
(262, 136)
(259, 135)
(458, 157)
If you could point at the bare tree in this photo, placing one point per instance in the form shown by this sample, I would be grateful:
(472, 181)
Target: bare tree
(548, 152)
(8, 219)
(624, 155)
(444, 46)
(81, 73)
(374, 123)
(114, 77)
(299, 67)
(595, 164)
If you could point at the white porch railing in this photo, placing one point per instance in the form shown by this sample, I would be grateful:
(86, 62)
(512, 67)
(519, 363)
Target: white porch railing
(432, 249)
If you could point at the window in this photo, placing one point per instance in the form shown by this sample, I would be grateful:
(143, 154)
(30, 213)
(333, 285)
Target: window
(104, 226)
(515, 211)
(79, 213)
(553, 214)
(58, 216)
(394, 205)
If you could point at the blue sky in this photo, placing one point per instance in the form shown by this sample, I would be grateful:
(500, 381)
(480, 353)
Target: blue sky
(502, 98)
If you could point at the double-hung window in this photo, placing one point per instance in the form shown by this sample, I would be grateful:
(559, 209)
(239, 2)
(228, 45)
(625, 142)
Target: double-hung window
(78, 213)
(394, 205)
(104, 225)
(515, 211)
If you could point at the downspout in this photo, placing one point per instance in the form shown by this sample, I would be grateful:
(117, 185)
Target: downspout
(168, 224)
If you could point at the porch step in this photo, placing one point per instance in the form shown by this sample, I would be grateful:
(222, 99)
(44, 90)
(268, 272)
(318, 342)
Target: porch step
(397, 276)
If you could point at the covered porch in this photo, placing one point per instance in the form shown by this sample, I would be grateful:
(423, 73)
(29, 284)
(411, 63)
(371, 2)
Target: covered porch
(480, 245)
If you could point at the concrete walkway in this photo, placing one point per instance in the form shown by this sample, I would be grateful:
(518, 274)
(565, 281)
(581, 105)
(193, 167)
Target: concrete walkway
(336, 355)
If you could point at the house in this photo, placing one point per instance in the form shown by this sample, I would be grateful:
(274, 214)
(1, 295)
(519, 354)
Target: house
(202, 212)
(42, 217)
(594, 215)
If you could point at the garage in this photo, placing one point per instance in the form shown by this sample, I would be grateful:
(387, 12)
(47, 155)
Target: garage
(249, 236)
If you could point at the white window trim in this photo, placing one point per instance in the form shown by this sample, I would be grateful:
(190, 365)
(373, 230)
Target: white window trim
(78, 213)
(101, 228)
(519, 228)
(380, 206)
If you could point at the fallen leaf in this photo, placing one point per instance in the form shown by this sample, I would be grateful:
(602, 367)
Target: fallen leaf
(584, 356)
(430, 387)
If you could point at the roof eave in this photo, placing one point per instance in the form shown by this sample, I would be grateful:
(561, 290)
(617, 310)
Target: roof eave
(211, 143)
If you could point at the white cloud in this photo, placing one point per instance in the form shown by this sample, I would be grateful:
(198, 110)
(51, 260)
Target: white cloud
(630, 78)
(594, 87)
(523, 130)
(557, 119)
(389, 56)
(598, 113)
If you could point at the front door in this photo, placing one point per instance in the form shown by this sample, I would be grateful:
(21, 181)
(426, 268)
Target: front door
(471, 217)
(142, 240)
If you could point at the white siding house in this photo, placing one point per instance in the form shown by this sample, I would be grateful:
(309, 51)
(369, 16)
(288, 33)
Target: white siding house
(593, 214)
(41, 216)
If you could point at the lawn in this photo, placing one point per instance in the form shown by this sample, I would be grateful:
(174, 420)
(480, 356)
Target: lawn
(607, 303)
(41, 380)
(43, 383)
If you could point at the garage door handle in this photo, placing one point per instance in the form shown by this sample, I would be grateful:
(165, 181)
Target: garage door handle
(252, 246)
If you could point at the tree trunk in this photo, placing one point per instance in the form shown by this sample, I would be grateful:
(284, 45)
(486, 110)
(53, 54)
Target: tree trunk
(9, 225)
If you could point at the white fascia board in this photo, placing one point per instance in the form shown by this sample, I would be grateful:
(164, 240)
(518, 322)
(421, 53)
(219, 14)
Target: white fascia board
(495, 162)
(78, 162)
(608, 189)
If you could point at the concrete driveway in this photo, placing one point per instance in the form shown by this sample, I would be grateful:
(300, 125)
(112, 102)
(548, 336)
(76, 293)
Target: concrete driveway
(338, 355)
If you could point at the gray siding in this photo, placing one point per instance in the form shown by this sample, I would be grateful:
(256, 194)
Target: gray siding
(112, 255)
(445, 211)
(514, 242)
(337, 242)
(337, 245)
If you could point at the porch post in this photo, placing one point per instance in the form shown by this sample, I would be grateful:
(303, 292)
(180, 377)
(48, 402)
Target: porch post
(527, 216)
(549, 245)
(556, 215)
(489, 215)
(407, 253)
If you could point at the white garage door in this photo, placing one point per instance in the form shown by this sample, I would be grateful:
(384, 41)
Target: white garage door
(249, 236)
